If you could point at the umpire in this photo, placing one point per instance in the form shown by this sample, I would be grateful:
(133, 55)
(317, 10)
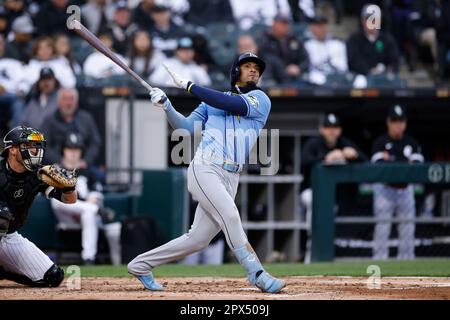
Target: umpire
(395, 146)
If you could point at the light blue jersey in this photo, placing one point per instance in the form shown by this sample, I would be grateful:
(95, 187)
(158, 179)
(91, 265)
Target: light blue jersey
(231, 137)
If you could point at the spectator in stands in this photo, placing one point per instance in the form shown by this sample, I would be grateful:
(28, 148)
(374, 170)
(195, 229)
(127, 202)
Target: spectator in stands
(178, 8)
(97, 13)
(330, 147)
(52, 18)
(395, 146)
(423, 29)
(19, 47)
(183, 64)
(413, 28)
(327, 55)
(369, 51)
(443, 36)
(165, 32)
(143, 58)
(274, 73)
(122, 28)
(4, 25)
(248, 13)
(281, 43)
(43, 100)
(302, 10)
(68, 118)
(44, 55)
(12, 88)
(204, 12)
(88, 211)
(202, 56)
(142, 14)
(63, 49)
(14, 9)
(97, 65)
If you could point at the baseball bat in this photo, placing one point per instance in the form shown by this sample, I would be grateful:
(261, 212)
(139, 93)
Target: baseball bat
(97, 44)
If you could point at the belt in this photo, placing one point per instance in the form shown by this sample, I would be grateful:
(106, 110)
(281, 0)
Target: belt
(226, 165)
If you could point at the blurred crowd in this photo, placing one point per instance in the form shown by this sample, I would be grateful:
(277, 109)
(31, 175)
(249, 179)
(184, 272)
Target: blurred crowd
(200, 38)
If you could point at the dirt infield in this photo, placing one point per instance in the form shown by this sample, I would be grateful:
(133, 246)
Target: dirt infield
(298, 288)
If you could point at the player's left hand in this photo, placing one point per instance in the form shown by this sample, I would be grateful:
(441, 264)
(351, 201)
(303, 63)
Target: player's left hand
(159, 99)
(177, 79)
(58, 177)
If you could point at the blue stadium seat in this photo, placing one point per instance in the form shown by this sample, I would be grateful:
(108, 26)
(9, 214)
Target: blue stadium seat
(339, 80)
(385, 81)
(299, 30)
(257, 31)
(222, 39)
(80, 49)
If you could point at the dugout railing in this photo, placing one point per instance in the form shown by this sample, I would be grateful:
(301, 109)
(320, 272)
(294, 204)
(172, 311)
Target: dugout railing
(333, 183)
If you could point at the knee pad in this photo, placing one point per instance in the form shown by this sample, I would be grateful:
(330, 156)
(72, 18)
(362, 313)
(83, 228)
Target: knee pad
(54, 276)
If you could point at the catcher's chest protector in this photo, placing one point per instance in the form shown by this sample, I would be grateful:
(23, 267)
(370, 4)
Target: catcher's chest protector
(18, 191)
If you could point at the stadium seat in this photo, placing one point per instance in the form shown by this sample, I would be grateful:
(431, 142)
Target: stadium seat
(222, 39)
(299, 30)
(80, 49)
(257, 31)
(339, 80)
(218, 78)
(385, 81)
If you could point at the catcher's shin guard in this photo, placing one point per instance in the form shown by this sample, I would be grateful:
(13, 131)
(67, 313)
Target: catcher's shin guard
(52, 278)
(256, 274)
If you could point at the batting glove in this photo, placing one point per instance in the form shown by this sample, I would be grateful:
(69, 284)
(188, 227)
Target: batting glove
(179, 82)
(159, 99)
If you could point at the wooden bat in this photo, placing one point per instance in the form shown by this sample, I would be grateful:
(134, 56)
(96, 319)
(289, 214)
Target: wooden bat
(97, 44)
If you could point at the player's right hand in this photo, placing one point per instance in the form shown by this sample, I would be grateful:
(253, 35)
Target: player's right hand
(159, 99)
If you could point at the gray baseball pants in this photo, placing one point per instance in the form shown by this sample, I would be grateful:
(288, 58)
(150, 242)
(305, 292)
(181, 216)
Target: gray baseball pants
(387, 201)
(215, 189)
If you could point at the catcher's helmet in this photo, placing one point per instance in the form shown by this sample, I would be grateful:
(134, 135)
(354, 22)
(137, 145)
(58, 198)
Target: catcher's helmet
(32, 139)
(245, 57)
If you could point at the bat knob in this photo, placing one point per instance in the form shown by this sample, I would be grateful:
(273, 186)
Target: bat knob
(163, 99)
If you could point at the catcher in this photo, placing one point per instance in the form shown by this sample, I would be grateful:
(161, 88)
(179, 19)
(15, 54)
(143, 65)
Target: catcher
(21, 178)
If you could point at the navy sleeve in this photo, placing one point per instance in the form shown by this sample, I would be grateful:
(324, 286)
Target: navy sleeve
(231, 103)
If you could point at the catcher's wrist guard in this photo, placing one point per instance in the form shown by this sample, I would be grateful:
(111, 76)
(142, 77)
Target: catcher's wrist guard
(68, 190)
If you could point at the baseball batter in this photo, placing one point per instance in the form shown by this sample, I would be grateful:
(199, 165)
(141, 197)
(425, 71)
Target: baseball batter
(213, 174)
(20, 260)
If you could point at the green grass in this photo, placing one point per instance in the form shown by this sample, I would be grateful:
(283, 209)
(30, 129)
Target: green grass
(435, 268)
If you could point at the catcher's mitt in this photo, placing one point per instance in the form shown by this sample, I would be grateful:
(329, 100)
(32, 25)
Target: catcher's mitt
(57, 177)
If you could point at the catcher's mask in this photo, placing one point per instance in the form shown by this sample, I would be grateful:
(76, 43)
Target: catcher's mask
(245, 57)
(26, 139)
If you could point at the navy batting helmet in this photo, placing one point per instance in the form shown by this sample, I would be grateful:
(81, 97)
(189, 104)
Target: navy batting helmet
(245, 57)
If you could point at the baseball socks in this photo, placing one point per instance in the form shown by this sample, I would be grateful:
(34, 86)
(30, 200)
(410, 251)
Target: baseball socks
(256, 274)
